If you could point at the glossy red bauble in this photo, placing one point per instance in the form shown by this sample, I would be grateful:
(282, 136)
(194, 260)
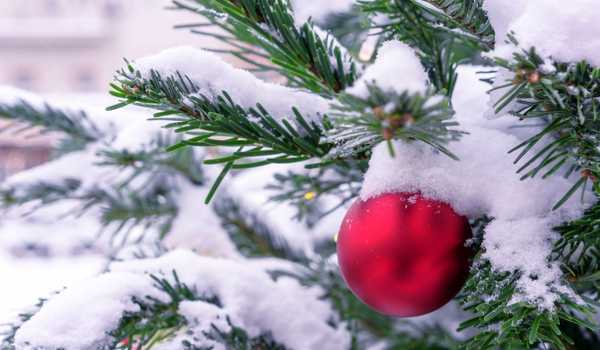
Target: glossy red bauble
(402, 254)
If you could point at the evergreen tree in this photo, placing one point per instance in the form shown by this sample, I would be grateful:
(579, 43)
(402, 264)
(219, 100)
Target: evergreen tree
(486, 105)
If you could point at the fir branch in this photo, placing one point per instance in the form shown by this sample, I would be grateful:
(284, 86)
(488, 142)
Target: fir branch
(505, 323)
(266, 28)
(466, 15)
(360, 124)
(42, 192)
(122, 208)
(564, 98)
(341, 180)
(579, 250)
(261, 139)
(154, 159)
(74, 124)
(153, 208)
(360, 318)
(222, 122)
(366, 326)
(583, 338)
(433, 34)
(250, 233)
(156, 320)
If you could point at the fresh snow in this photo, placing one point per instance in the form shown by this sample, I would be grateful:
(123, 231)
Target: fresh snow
(396, 68)
(485, 182)
(25, 279)
(294, 314)
(212, 76)
(197, 227)
(80, 317)
(565, 33)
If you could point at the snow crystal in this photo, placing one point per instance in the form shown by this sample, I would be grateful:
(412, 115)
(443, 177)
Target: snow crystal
(79, 317)
(212, 76)
(510, 245)
(485, 182)
(318, 10)
(396, 68)
(565, 33)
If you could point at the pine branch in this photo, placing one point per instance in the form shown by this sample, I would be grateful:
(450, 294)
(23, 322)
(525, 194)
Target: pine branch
(42, 192)
(505, 323)
(579, 249)
(74, 124)
(152, 206)
(151, 209)
(148, 203)
(154, 158)
(508, 323)
(222, 122)
(341, 180)
(261, 139)
(466, 15)
(564, 98)
(360, 318)
(433, 34)
(360, 124)
(266, 28)
(250, 234)
(582, 338)
(367, 326)
(156, 320)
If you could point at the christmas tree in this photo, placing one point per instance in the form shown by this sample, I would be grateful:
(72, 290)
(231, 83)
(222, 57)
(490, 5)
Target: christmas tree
(465, 132)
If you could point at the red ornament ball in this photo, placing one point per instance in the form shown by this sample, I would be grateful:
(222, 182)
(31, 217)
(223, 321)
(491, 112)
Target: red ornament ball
(403, 254)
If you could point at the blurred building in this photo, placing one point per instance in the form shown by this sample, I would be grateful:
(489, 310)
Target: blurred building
(75, 46)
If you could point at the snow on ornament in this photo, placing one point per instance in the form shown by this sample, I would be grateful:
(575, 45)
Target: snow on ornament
(403, 254)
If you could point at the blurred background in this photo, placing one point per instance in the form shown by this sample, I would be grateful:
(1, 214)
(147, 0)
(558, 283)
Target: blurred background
(71, 48)
(66, 50)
